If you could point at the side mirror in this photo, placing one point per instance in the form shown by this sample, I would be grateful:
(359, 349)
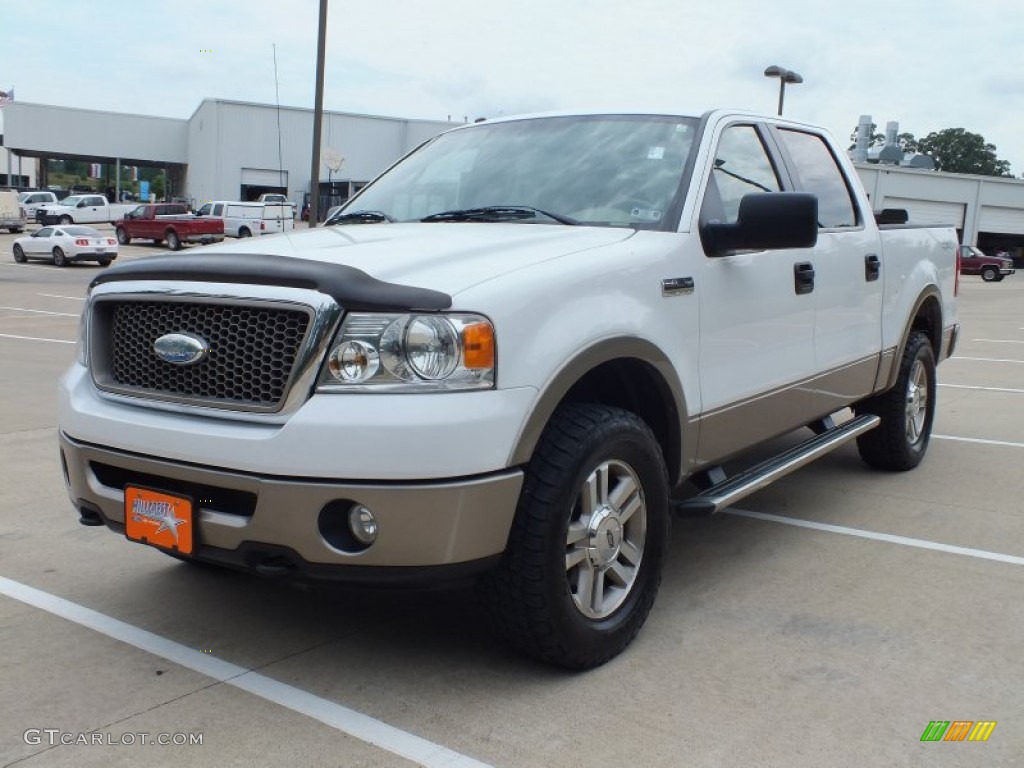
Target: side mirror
(766, 221)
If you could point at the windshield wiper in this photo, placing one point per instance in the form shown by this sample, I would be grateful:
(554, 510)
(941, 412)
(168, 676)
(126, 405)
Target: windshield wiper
(359, 217)
(498, 213)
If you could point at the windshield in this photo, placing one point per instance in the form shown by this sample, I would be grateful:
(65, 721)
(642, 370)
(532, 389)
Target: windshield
(604, 170)
(24, 196)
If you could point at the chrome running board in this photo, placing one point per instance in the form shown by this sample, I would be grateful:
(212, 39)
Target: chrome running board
(730, 490)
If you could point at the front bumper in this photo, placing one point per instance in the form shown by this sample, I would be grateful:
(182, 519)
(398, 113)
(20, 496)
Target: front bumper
(272, 524)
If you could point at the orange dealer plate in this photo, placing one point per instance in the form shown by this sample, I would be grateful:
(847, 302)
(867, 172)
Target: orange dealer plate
(160, 519)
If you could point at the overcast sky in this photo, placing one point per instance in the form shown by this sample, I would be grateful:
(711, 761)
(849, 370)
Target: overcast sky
(928, 65)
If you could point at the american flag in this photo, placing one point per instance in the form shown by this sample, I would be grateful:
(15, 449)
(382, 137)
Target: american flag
(6, 96)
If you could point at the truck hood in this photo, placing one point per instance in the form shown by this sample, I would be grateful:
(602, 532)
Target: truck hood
(447, 257)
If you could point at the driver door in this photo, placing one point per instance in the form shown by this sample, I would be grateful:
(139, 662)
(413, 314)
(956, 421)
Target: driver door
(40, 241)
(757, 328)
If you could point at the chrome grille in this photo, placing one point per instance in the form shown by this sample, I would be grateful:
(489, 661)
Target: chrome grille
(253, 351)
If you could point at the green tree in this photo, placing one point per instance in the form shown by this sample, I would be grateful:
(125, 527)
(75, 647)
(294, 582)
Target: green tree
(958, 151)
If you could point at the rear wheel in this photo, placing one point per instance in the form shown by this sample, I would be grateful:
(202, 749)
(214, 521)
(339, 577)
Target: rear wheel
(122, 236)
(244, 232)
(173, 241)
(989, 274)
(59, 259)
(907, 411)
(19, 254)
(586, 549)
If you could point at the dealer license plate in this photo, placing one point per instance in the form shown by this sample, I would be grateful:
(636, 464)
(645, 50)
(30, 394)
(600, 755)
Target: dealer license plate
(161, 519)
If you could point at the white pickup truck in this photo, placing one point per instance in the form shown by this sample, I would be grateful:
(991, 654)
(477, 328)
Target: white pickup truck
(82, 209)
(517, 354)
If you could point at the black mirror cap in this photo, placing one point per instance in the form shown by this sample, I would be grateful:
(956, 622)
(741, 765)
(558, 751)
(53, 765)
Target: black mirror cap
(766, 221)
(892, 216)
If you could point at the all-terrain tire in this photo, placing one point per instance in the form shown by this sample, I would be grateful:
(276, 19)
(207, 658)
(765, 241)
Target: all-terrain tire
(907, 411)
(595, 498)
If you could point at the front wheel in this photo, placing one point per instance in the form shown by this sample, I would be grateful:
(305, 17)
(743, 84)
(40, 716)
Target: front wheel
(990, 274)
(122, 236)
(586, 550)
(65, 220)
(19, 254)
(173, 241)
(907, 410)
(59, 259)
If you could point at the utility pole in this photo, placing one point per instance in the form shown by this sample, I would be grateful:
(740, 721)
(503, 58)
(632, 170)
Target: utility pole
(318, 115)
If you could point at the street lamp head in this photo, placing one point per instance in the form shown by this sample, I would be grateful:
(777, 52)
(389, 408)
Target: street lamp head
(786, 75)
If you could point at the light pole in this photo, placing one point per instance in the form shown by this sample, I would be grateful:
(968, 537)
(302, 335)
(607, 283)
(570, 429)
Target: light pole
(785, 76)
(318, 116)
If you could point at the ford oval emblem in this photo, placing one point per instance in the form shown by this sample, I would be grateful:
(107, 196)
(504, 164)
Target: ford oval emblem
(181, 348)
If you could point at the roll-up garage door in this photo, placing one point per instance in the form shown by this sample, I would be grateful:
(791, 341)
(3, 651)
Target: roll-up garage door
(929, 212)
(994, 218)
(261, 177)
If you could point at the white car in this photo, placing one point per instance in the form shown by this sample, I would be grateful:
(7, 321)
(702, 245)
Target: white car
(62, 245)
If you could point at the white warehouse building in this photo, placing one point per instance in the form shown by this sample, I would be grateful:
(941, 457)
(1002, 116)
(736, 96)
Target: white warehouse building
(232, 150)
(227, 150)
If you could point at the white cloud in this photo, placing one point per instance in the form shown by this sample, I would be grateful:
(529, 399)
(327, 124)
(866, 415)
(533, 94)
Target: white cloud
(929, 66)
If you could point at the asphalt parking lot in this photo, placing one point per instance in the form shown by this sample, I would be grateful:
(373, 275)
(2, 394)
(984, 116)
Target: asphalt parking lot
(825, 623)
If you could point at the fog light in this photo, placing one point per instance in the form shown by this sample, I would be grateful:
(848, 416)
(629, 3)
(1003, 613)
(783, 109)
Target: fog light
(363, 524)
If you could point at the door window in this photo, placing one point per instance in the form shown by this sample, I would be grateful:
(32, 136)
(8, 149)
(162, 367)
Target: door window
(820, 175)
(45, 232)
(742, 167)
(217, 209)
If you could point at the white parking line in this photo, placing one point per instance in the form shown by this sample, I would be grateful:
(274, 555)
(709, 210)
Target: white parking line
(72, 298)
(986, 389)
(41, 311)
(979, 441)
(981, 554)
(987, 359)
(341, 718)
(34, 338)
(1000, 341)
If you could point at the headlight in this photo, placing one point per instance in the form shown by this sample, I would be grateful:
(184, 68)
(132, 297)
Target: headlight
(410, 353)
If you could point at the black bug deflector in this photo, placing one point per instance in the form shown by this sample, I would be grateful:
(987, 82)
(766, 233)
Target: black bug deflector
(350, 287)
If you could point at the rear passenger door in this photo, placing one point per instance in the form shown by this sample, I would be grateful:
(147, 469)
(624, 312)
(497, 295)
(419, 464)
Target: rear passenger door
(848, 268)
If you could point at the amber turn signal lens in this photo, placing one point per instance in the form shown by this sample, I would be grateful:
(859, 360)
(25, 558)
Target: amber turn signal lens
(478, 345)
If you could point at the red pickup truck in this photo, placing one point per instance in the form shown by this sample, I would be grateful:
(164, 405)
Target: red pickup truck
(973, 261)
(170, 222)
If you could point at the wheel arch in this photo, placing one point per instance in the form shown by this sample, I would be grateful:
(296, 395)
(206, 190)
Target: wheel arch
(630, 373)
(926, 316)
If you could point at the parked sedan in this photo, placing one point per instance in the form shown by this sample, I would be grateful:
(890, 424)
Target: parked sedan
(62, 245)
